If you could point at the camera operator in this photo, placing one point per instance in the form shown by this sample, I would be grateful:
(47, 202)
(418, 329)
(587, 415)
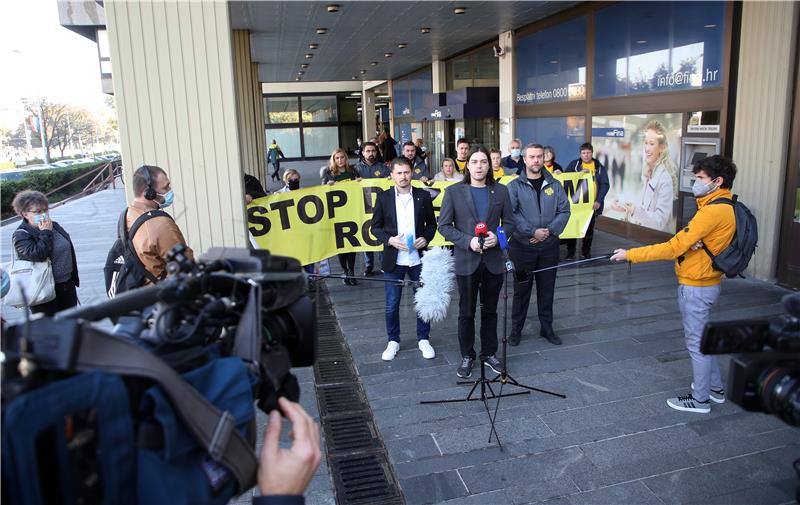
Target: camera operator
(698, 282)
(284, 474)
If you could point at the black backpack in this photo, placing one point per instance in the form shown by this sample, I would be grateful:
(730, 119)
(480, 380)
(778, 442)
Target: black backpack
(123, 269)
(733, 260)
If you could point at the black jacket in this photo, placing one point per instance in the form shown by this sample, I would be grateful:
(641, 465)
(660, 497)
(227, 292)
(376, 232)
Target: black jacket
(33, 244)
(384, 221)
(601, 178)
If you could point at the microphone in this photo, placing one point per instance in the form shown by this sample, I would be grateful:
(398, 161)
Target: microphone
(481, 231)
(502, 240)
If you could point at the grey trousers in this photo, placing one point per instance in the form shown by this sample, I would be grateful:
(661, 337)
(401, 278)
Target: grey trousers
(695, 303)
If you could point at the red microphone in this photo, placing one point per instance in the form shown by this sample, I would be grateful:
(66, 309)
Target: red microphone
(481, 231)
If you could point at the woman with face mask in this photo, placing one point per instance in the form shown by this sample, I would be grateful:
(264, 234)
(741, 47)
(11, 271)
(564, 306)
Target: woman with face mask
(291, 180)
(38, 238)
(653, 208)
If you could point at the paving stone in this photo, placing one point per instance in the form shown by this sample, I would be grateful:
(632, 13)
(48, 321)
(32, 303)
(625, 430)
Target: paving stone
(492, 497)
(467, 439)
(637, 446)
(643, 468)
(594, 415)
(540, 491)
(433, 488)
(629, 492)
(412, 448)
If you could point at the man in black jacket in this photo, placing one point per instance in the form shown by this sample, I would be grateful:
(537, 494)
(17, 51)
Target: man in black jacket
(479, 263)
(404, 222)
(587, 163)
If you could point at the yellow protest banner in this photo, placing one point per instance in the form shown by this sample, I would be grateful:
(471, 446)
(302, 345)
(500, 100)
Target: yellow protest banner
(321, 221)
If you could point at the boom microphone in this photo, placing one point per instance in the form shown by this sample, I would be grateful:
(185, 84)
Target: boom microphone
(502, 240)
(438, 281)
(481, 231)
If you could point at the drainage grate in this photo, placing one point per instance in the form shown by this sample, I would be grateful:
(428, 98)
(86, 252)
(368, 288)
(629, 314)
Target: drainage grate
(341, 398)
(351, 433)
(329, 348)
(365, 479)
(333, 371)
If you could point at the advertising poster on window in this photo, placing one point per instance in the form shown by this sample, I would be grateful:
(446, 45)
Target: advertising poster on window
(642, 154)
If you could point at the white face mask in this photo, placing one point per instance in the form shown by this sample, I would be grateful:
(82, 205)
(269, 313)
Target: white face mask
(700, 189)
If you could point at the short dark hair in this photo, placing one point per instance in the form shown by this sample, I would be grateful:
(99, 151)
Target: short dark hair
(27, 199)
(533, 145)
(140, 179)
(474, 150)
(717, 166)
(587, 145)
(494, 150)
(462, 140)
(400, 160)
(370, 143)
(409, 143)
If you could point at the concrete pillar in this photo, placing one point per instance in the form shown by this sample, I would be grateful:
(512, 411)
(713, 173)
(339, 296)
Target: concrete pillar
(508, 89)
(763, 109)
(439, 76)
(250, 109)
(176, 102)
(368, 125)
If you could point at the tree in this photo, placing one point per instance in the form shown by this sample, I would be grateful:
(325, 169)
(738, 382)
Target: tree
(50, 117)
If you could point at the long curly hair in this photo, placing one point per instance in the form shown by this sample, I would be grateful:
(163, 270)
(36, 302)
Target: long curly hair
(664, 159)
(334, 169)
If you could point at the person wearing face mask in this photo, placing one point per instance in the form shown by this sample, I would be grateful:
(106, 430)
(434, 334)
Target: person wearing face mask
(152, 191)
(514, 162)
(38, 238)
(698, 282)
(291, 180)
(659, 183)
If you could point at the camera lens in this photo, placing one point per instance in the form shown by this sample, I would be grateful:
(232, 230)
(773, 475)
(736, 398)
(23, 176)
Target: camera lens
(780, 393)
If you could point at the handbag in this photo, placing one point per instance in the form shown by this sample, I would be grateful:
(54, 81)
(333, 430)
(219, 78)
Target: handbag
(33, 278)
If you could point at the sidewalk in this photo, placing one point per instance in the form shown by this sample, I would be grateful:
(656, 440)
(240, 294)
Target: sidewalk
(612, 440)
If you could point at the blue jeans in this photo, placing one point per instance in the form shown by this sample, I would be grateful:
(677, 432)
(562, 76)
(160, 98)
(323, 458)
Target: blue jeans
(393, 294)
(695, 303)
(369, 259)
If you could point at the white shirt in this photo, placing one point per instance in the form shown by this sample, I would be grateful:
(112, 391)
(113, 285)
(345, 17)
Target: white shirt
(404, 208)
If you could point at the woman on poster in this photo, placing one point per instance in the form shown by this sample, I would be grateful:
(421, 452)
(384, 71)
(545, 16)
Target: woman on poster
(659, 183)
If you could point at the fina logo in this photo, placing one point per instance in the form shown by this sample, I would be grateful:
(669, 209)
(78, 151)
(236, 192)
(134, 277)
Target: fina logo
(615, 132)
(406, 111)
(436, 113)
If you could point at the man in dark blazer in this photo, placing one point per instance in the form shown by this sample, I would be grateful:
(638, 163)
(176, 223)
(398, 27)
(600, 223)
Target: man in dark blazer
(479, 267)
(404, 222)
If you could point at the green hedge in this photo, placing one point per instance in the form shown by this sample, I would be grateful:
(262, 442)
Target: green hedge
(45, 181)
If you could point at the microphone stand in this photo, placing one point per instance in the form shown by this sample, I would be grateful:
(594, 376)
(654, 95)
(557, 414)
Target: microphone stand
(397, 282)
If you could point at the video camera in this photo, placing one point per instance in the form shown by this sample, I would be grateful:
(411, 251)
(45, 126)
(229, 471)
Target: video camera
(160, 409)
(765, 372)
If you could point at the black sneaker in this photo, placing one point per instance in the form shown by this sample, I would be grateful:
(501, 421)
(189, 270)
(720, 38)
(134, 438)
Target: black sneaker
(570, 257)
(551, 336)
(514, 339)
(495, 364)
(465, 370)
(368, 271)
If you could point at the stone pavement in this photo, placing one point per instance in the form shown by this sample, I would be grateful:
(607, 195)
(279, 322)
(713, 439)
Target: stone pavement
(612, 440)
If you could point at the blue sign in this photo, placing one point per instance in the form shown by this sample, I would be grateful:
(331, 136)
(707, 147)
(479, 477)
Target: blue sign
(608, 132)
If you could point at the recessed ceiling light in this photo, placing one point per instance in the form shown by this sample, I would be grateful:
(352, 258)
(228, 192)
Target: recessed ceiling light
(333, 8)
(298, 78)
(641, 41)
(313, 46)
(322, 31)
(425, 29)
(710, 26)
(354, 78)
(402, 45)
(301, 72)
(459, 10)
(373, 63)
(363, 72)
(387, 55)
(309, 56)
(355, 93)
(304, 65)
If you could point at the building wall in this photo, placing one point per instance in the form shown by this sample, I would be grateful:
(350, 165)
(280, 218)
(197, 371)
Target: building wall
(763, 108)
(250, 111)
(176, 100)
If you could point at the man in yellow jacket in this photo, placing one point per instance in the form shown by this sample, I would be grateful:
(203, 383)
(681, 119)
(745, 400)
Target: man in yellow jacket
(698, 282)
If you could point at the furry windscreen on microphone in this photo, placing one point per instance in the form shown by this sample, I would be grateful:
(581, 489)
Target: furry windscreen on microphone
(438, 281)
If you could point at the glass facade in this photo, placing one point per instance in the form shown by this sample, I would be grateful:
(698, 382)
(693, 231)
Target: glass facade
(318, 109)
(409, 93)
(288, 139)
(649, 47)
(320, 140)
(551, 64)
(281, 110)
(475, 69)
(564, 134)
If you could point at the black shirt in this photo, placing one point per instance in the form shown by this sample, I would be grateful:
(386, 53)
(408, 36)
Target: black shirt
(537, 183)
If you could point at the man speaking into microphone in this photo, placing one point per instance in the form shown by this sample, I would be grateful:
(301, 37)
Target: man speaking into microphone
(541, 211)
(471, 210)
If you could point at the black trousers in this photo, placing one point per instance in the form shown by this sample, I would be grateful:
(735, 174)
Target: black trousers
(527, 259)
(348, 262)
(488, 285)
(66, 298)
(586, 244)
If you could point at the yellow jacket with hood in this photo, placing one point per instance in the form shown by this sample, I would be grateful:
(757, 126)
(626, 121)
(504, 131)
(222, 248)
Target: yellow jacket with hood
(715, 225)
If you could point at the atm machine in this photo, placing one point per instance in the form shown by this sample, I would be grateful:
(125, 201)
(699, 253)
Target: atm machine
(693, 150)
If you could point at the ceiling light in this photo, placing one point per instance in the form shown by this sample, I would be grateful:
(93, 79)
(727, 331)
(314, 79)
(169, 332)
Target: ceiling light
(641, 41)
(387, 55)
(309, 56)
(298, 78)
(710, 26)
(373, 63)
(333, 8)
(459, 10)
(354, 78)
(363, 72)
(425, 29)
(355, 93)
(313, 46)
(322, 31)
(304, 65)
(301, 72)
(553, 61)
(402, 45)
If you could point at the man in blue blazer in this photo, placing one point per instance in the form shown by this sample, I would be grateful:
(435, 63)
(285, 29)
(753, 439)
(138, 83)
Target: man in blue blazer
(404, 222)
(479, 264)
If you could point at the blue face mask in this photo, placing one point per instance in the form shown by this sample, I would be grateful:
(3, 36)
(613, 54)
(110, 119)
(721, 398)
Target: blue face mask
(169, 197)
(516, 152)
(39, 218)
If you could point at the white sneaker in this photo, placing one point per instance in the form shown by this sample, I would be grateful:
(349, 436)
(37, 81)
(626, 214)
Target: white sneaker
(716, 395)
(427, 350)
(391, 351)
